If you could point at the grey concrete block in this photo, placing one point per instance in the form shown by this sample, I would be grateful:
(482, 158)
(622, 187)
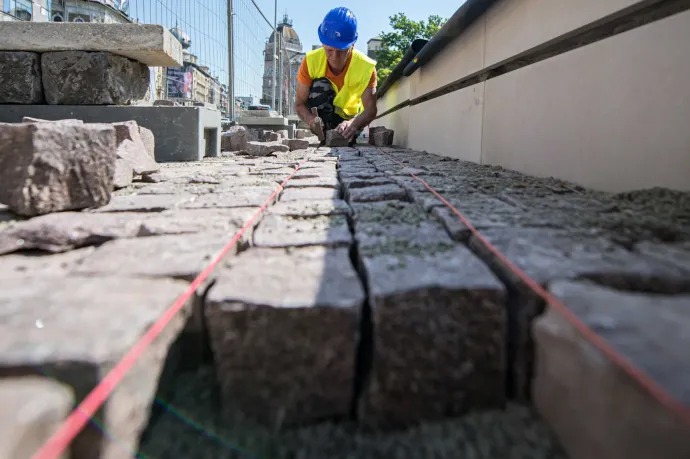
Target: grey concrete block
(574, 380)
(20, 78)
(283, 328)
(52, 167)
(33, 408)
(149, 44)
(39, 334)
(88, 78)
(181, 133)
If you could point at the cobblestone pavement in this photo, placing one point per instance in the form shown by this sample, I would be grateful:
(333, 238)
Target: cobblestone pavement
(356, 291)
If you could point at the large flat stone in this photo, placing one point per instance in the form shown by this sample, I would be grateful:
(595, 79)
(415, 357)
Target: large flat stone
(64, 231)
(92, 78)
(149, 44)
(177, 256)
(52, 167)
(450, 307)
(29, 265)
(20, 78)
(286, 231)
(40, 336)
(240, 197)
(32, 410)
(283, 328)
(596, 410)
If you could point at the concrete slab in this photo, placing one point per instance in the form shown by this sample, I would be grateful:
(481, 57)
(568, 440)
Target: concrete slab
(181, 133)
(149, 44)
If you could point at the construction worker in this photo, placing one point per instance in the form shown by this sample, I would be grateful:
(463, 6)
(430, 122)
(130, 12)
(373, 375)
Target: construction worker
(337, 80)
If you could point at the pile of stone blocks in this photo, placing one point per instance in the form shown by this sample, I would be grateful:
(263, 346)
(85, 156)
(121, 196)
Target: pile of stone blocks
(55, 166)
(380, 136)
(99, 73)
(259, 142)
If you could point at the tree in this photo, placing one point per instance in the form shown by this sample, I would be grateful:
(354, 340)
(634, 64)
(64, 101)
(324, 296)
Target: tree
(394, 44)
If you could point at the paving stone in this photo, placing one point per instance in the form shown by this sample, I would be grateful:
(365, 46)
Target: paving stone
(284, 328)
(132, 149)
(122, 177)
(322, 182)
(357, 182)
(314, 172)
(172, 188)
(265, 148)
(334, 139)
(296, 144)
(92, 78)
(677, 254)
(288, 231)
(446, 302)
(177, 256)
(20, 78)
(310, 208)
(234, 139)
(144, 203)
(283, 172)
(360, 174)
(593, 406)
(294, 194)
(271, 136)
(377, 193)
(33, 409)
(240, 197)
(39, 335)
(29, 119)
(28, 265)
(302, 133)
(546, 255)
(52, 167)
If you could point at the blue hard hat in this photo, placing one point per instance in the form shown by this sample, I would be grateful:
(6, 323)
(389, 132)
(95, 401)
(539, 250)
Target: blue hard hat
(339, 28)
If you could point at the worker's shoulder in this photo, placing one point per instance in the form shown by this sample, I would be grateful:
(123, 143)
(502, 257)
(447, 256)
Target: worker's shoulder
(361, 56)
(315, 51)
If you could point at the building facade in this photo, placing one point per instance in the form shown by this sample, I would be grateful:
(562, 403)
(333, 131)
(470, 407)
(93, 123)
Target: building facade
(290, 47)
(104, 11)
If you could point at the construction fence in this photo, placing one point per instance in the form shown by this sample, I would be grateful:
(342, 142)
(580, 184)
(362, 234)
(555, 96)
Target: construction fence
(217, 70)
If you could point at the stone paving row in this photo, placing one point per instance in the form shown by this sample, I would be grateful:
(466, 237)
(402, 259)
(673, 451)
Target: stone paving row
(356, 292)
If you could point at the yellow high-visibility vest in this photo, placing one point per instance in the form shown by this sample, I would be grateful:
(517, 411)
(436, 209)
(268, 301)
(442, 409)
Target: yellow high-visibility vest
(348, 101)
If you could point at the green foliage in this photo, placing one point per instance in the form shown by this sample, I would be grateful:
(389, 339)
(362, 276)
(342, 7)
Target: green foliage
(395, 43)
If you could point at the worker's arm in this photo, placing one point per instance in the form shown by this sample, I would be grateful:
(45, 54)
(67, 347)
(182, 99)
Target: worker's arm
(350, 128)
(301, 99)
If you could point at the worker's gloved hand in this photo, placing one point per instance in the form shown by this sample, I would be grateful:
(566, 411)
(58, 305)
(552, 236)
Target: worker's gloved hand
(347, 129)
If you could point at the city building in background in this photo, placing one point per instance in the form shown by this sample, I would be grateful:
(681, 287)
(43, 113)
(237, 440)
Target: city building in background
(291, 49)
(373, 45)
(104, 11)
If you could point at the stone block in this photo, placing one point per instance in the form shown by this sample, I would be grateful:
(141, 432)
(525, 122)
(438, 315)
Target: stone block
(294, 194)
(28, 266)
(597, 410)
(123, 174)
(241, 197)
(373, 130)
(382, 137)
(39, 335)
(145, 203)
(131, 148)
(283, 134)
(284, 328)
(149, 141)
(296, 144)
(325, 182)
(150, 44)
(287, 231)
(271, 136)
(377, 193)
(447, 302)
(177, 256)
(334, 139)
(52, 167)
(302, 133)
(20, 78)
(92, 78)
(310, 208)
(33, 408)
(234, 139)
(265, 148)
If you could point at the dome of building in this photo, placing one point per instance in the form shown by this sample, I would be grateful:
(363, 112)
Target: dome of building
(289, 34)
(181, 36)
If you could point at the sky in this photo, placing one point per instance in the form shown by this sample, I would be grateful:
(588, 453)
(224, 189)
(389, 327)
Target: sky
(205, 21)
